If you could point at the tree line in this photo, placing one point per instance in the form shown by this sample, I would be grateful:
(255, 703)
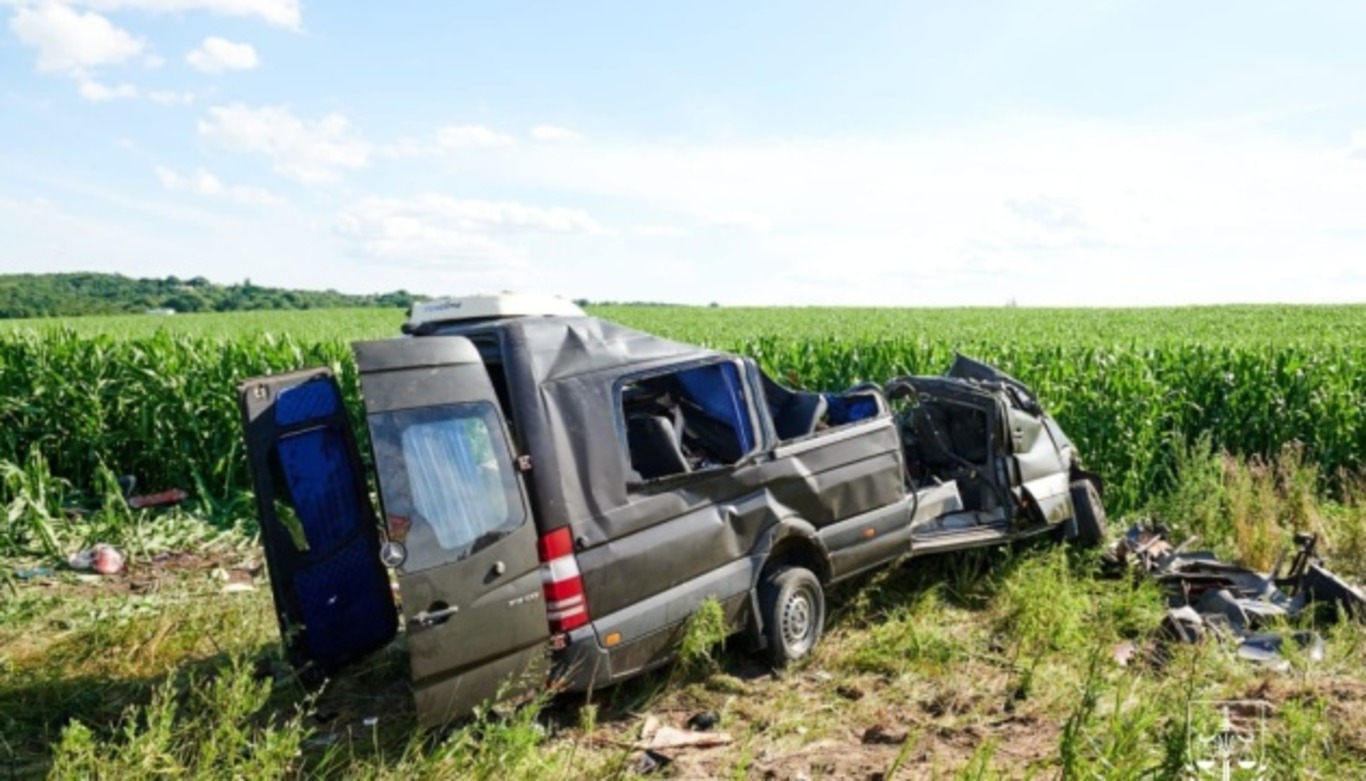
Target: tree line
(82, 293)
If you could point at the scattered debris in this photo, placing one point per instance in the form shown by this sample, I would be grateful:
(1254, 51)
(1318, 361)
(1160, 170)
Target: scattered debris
(235, 581)
(107, 560)
(1233, 604)
(880, 735)
(322, 741)
(651, 761)
(849, 691)
(163, 499)
(1265, 648)
(1123, 653)
(656, 736)
(703, 721)
(104, 559)
(33, 573)
(667, 737)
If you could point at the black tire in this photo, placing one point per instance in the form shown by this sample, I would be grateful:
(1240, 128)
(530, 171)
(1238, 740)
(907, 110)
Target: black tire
(1088, 514)
(793, 606)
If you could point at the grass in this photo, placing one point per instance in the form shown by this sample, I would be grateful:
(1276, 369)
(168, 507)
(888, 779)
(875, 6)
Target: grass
(984, 665)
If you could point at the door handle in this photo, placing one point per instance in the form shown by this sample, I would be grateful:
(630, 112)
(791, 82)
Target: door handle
(429, 616)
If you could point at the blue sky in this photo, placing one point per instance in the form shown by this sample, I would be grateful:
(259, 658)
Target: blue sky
(1049, 153)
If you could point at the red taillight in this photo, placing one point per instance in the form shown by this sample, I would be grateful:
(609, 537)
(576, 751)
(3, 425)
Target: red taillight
(564, 600)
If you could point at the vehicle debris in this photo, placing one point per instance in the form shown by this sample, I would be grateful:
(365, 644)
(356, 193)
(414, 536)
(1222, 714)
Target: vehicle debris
(667, 737)
(651, 761)
(167, 498)
(1236, 605)
(704, 721)
(883, 736)
(102, 558)
(657, 736)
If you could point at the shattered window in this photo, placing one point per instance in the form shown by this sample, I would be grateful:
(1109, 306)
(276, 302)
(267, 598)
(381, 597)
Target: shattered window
(684, 421)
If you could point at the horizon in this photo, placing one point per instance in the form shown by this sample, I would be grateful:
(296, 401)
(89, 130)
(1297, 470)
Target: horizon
(1041, 155)
(645, 303)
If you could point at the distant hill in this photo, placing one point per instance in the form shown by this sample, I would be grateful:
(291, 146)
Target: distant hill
(70, 295)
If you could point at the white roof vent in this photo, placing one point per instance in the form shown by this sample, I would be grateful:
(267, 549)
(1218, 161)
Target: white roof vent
(487, 307)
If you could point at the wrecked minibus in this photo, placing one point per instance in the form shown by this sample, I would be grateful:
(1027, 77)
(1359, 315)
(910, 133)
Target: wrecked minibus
(557, 494)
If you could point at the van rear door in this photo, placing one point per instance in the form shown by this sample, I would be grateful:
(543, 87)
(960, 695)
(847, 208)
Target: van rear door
(455, 502)
(318, 526)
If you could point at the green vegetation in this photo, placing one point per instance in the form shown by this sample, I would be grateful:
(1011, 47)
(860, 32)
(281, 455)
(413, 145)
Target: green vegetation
(1237, 424)
(990, 664)
(154, 396)
(77, 294)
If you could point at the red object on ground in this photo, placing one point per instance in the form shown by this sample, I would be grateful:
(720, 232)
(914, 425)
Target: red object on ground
(163, 499)
(107, 560)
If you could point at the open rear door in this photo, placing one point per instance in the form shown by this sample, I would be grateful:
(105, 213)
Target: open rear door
(318, 526)
(454, 500)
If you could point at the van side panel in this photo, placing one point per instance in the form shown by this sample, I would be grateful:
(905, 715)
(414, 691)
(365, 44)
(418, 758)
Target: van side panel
(677, 537)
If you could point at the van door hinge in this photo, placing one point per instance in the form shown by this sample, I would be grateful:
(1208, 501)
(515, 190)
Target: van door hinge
(523, 463)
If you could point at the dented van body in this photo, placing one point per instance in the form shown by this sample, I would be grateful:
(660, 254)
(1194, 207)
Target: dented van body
(560, 493)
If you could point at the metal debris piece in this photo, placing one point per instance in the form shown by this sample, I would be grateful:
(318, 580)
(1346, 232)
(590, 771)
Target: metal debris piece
(703, 721)
(1208, 597)
(650, 762)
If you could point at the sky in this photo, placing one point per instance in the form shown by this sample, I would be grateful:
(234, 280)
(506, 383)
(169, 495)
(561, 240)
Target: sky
(1040, 152)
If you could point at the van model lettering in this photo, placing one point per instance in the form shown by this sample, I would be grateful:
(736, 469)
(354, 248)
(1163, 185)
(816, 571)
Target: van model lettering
(665, 475)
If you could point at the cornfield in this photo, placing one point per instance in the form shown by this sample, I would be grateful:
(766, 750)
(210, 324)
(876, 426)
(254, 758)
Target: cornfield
(155, 398)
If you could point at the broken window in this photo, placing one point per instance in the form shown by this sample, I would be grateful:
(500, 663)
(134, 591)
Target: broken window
(687, 420)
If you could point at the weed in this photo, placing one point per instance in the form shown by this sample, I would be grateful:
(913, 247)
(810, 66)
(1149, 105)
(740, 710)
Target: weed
(706, 631)
(1194, 507)
(211, 729)
(31, 500)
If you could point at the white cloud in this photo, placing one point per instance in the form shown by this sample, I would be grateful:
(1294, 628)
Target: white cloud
(440, 230)
(739, 220)
(555, 133)
(461, 136)
(307, 151)
(1048, 211)
(1358, 146)
(71, 42)
(171, 97)
(95, 92)
(216, 55)
(201, 182)
(282, 13)
(660, 231)
(153, 62)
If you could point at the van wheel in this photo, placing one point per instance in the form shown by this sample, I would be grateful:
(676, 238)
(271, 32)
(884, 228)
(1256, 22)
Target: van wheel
(793, 608)
(1088, 513)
